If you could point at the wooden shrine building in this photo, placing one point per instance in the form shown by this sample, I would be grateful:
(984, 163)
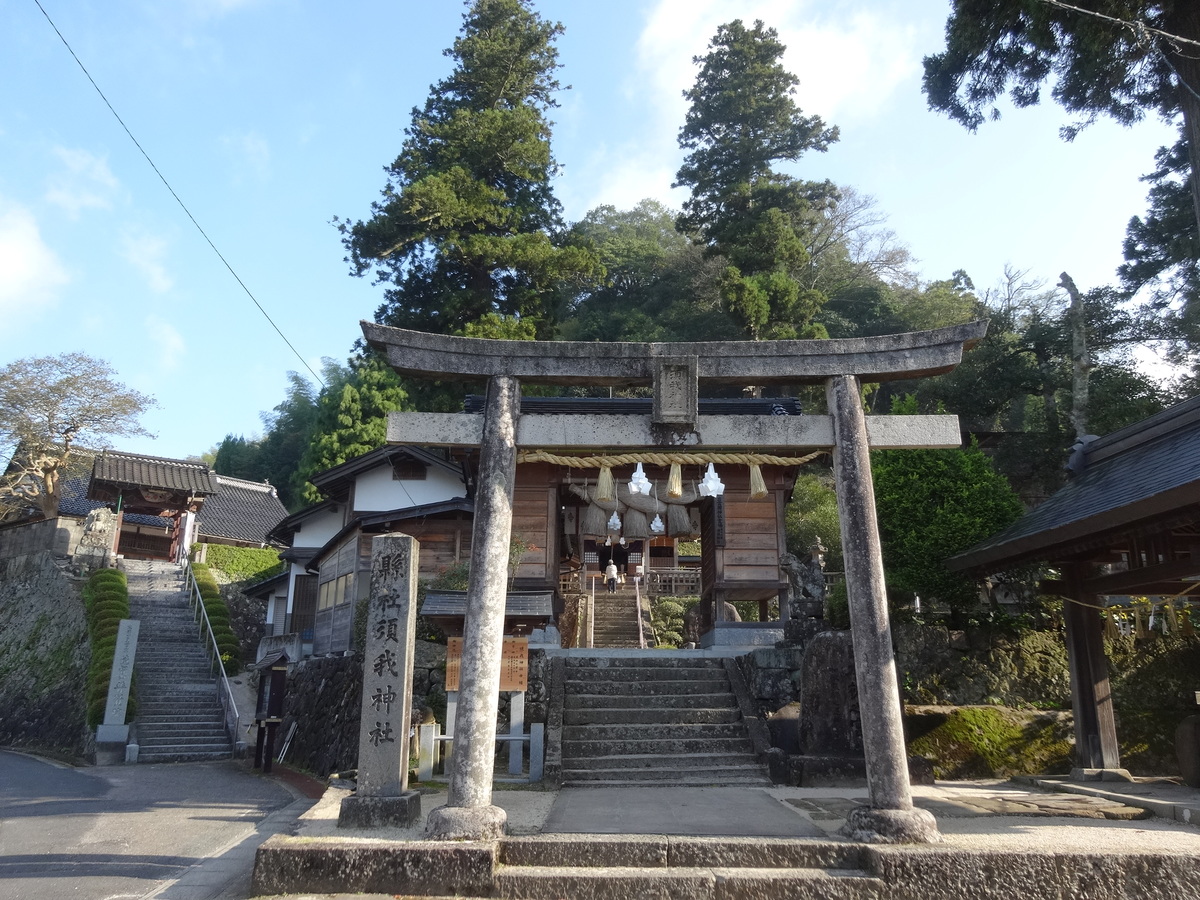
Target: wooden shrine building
(1127, 523)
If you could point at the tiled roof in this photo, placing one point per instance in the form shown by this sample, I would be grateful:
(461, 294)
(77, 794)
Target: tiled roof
(73, 501)
(131, 470)
(241, 510)
(1148, 469)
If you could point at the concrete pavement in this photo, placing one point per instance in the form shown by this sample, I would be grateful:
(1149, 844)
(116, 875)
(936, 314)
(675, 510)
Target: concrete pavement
(184, 831)
(191, 831)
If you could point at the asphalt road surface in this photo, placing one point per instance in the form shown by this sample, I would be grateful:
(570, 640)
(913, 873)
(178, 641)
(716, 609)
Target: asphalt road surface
(130, 831)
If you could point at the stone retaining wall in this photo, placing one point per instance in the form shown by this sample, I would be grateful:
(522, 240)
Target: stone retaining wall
(44, 657)
(324, 696)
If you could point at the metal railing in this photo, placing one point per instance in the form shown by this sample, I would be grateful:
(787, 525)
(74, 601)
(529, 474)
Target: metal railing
(225, 692)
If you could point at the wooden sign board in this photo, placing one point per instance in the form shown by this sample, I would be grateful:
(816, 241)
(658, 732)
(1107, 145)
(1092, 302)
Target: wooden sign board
(514, 664)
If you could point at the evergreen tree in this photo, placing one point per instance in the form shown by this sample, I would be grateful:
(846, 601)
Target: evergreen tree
(931, 505)
(351, 417)
(467, 223)
(743, 120)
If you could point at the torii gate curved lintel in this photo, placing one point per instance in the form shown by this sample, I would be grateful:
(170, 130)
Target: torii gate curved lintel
(676, 370)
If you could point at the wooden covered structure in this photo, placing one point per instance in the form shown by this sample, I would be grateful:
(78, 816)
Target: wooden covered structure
(150, 486)
(1127, 523)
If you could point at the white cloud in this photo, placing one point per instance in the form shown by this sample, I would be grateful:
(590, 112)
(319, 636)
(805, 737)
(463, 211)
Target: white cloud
(850, 64)
(85, 182)
(145, 252)
(167, 341)
(249, 151)
(30, 272)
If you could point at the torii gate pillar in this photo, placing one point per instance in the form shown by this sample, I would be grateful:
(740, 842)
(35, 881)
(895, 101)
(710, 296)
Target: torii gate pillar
(675, 370)
(891, 815)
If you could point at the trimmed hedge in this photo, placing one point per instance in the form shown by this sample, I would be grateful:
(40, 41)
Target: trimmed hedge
(106, 599)
(218, 618)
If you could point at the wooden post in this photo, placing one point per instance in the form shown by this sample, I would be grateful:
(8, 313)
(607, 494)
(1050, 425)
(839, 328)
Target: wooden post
(1096, 750)
(469, 813)
(891, 817)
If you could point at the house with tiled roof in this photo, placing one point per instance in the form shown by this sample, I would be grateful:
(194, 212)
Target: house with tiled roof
(420, 492)
(242, 513)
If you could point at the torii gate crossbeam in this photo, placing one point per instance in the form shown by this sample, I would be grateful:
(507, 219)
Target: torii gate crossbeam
(676, 371)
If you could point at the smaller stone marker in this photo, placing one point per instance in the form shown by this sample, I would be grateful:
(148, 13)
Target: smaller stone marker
(383, 797)
(114, 730)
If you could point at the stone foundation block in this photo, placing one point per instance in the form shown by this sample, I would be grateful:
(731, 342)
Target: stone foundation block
(380, 812)
(288, 865)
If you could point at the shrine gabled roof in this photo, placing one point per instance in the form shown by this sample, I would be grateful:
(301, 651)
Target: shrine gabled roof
(131, 470)
(1146, 471)
(242, 510)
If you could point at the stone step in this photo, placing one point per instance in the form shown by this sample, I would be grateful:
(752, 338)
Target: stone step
(182, 754)
(679, 688)
(571, 850)
(680, 883)
(584, 749)
(640, 732)
(647, 673)
(688, 762)
(716, 700)
(644, 662)
(652, 716)
(207, 739)
(725, 776)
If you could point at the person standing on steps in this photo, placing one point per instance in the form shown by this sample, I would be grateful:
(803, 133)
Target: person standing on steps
(610, 576)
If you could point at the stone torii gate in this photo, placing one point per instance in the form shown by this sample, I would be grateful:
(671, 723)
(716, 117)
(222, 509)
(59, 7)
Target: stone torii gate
(676, 371)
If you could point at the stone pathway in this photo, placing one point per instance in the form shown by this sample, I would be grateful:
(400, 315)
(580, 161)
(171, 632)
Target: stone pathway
(830, 812)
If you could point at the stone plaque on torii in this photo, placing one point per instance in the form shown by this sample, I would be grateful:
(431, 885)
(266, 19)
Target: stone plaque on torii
(676, 370)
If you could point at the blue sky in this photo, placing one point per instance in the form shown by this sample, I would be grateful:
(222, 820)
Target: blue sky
(270, 117)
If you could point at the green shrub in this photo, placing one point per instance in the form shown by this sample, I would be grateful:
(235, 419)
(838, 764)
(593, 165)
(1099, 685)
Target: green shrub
(218, 619)
(244, 564)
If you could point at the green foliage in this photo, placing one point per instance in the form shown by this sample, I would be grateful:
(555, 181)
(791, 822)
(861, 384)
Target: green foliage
(351, 418)
(467, 223)
(454, 577)
(837, 606)
(811, 516)
(984, 742)
(932, 504)
(666, 616)
(244, 564)
(218, 618)
(743, 119)
(107, 602)
(657, 284)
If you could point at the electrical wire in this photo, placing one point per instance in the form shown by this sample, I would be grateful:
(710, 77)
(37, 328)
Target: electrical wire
(182, 205)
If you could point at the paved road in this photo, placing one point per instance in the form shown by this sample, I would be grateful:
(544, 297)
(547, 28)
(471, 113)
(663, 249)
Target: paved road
(173, 831)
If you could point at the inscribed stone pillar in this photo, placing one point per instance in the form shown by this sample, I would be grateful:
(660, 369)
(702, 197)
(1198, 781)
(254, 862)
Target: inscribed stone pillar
(114, 729)
(891, 817)
(382, 797)
(469, 813)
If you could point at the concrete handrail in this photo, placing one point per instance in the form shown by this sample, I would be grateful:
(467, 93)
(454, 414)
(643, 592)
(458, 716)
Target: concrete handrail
(200, 615)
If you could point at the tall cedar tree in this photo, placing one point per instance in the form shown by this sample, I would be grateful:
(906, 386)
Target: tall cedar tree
(1095, 64)
(743, 119)
(467, 223)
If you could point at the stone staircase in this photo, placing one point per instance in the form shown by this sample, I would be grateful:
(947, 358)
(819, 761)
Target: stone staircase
(179, 715)
(616, 618)
(654, 719)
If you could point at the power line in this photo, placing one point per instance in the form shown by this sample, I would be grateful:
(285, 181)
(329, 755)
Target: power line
(182, 205)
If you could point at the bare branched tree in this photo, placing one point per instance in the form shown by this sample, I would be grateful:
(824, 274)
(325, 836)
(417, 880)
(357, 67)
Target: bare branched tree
(51, 407)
